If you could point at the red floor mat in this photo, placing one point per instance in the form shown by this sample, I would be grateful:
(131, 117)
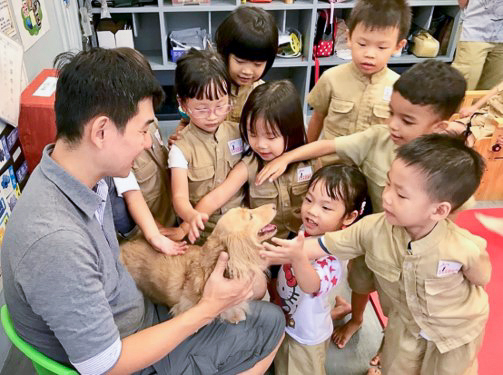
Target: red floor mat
(492, 351)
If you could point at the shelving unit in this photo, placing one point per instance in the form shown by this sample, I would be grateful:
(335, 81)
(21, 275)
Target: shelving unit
(152, 25)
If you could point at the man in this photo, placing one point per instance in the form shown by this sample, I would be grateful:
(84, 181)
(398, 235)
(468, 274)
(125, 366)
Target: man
(68, 294)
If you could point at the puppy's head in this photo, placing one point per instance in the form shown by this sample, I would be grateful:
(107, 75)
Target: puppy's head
(240, 231)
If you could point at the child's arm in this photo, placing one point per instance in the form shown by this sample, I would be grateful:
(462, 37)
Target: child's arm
(307, 277)
(479, 272)
(468, 111)
(215, 199)
(181, 201)
(315, 126)
(143, 217)
(277, 167)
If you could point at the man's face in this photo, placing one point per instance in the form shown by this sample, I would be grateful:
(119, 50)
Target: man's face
(409, 121)
(125, 147)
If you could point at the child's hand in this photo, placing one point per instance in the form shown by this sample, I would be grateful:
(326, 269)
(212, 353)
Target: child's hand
(165, 245)
(175, 136)
(175, 233)
(287, 251)
(467, 111)
(196, 223)
(272, 170)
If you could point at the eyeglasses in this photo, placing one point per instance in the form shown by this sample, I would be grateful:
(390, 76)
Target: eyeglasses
(221, 110)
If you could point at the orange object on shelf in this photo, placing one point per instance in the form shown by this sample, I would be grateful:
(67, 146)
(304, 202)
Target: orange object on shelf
(37, 120)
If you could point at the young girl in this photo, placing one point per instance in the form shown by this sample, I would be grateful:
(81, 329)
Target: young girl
(209, 147)
(335, 200)
(272, 123)
(248, 41)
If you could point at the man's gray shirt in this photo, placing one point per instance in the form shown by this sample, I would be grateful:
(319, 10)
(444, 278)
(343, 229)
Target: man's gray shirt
(63, 282)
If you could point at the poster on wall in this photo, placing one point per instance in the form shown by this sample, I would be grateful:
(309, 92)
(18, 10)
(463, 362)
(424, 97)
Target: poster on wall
(6, 21)
(32, 20)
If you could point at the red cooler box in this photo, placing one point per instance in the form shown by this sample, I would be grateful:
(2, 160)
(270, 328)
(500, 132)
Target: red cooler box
(37, 120)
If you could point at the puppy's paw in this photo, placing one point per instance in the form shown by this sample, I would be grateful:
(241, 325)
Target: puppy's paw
(235, 314)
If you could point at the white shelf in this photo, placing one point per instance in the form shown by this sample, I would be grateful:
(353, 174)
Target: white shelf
(145, 9)
(404, 59)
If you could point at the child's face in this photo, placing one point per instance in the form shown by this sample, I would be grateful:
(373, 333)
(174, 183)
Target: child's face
(245, 72)
(409, 121)
(207, 114)
(405, 200)
(371, 49)
(319, 212)
(264, 142)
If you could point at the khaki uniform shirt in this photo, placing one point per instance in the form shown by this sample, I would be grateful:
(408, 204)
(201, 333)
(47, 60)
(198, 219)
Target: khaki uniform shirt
(210, 158)
(372, 151)
(423, 279)
(239, 95)
(351, 101)
(151, 171)
(287, 192)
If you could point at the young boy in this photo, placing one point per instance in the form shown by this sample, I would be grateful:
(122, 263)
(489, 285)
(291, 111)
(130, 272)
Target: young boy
(423, 99)
(431, 271)
(350, 97)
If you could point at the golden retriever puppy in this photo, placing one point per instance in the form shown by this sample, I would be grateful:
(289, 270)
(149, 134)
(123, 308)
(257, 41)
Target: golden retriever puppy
(178, 281)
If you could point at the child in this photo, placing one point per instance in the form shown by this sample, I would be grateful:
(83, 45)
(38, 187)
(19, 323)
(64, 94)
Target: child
(248, 41)
(432, 272)
(482, 115)
(335, 199)
(209, 147)
(350, 97)
(423, 99)
(272, 123)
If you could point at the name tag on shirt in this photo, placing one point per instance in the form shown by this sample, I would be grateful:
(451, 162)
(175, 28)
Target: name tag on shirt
(304, 174)
(235, 146)
(446, 267)
(387, 93)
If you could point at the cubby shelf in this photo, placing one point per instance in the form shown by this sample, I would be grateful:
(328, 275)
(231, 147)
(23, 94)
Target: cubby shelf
(153, 23)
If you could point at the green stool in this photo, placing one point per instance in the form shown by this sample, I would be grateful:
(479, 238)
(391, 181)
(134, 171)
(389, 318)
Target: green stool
(43, 364)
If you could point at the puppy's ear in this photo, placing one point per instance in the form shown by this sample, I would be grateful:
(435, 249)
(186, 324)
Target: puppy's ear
(243, 252)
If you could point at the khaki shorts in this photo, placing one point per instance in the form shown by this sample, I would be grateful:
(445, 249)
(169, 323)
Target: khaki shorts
(294, 358)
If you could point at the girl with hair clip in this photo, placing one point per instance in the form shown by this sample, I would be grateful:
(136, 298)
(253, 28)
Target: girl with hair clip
(271, 123)
(209, 147)
(335, 200)
(248, 41)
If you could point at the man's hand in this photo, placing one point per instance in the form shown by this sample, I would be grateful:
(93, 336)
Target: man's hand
(273, 170)
(196, 223)
(221, 293)
(165, 245)
(287, 251)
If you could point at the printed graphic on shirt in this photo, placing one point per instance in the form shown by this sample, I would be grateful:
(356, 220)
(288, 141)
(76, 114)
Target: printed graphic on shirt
(388, 90)
(446, 267)
(304, 174)
(289, 293)
(235, 146)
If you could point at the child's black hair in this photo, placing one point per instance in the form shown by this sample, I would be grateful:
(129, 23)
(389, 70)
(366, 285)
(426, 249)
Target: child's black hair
(452, 170)
(344, 182)
(278, 104)
(201, 74)
(381, 14)
(433, 83)
(107, 82)
(250, 33)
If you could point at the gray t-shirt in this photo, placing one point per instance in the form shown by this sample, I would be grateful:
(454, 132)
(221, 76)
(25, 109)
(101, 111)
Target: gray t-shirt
(483, 21)
(63, 282)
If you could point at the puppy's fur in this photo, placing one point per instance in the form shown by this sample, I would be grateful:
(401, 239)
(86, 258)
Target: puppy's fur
(178, 281)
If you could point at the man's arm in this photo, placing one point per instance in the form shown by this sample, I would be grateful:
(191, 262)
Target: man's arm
(148, 346)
